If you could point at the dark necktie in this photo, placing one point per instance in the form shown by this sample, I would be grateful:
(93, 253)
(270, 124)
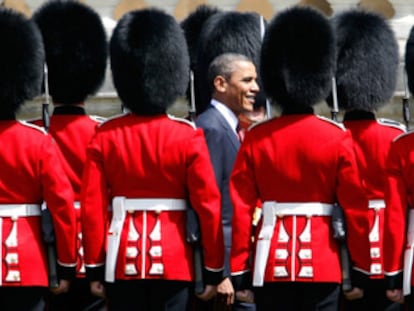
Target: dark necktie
(240, 132)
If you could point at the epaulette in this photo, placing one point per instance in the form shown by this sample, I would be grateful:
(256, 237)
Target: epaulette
(391, 123)
(174, 118)
(337, 124)
(33, 126)
(259, 123)
(402, 135)
(98, 119)
(34, 120)
(106, 120)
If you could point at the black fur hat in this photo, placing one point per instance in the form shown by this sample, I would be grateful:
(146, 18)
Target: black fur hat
(21, 61)
(149, 61)
(367, 62)
(409, 60)
(226, 32)
(76, 49)
(298, 58)
(192, 26)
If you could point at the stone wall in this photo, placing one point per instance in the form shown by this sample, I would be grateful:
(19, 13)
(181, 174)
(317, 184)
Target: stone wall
(180, 8)
(400, 14)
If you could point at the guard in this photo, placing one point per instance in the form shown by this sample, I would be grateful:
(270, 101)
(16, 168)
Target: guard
(76, 59)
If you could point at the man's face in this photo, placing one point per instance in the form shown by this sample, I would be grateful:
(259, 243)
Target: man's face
(241, 87)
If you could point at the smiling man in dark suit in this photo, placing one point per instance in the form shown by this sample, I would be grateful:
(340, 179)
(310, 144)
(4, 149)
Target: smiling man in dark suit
(232, 80)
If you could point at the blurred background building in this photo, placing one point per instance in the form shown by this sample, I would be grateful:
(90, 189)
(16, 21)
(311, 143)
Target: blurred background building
(400, 14)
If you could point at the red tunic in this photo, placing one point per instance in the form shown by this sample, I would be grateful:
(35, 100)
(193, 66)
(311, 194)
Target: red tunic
(372, 139)
(150, 157)
(31, 172)
(72, 133)
(297, 158)
(399, 198)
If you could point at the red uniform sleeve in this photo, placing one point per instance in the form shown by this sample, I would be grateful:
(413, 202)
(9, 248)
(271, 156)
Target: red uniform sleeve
(94, 208)
(244, 197)
(351, 197)
(59, 198)
(395, 214)
(205, 199)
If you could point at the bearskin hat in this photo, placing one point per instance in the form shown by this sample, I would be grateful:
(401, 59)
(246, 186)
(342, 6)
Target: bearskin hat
(76, 49)
(298, 58)
(409, 60)
(22, 59)
(367, 62)
(226, 32)
(192, 26)
(149, 61)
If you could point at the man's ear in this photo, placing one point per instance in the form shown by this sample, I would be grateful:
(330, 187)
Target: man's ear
(220, 84)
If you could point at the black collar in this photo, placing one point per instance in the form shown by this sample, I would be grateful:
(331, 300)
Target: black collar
(297, 109)
(7, 116)
(359, 115)
(68, 109)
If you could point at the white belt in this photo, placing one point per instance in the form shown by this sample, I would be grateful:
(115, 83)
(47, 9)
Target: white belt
(19, 210)
(153, 204)
(120, 205)
(299, 209)
(408, 255)
(376, 204)
(271, 210)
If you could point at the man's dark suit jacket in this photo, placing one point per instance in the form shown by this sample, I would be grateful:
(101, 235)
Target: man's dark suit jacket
(223, 144)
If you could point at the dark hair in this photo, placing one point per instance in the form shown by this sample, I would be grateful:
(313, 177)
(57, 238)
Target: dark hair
(226, 32)
(224, 65)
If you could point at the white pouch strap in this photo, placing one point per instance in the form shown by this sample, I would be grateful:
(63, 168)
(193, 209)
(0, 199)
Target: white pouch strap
(408, 255)
(114, 237)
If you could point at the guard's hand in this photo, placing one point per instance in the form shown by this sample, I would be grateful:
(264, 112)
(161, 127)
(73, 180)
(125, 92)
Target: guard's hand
(226, 291)
(354, 293)
(245, 295)
(97, 289)
(62, 288)
(395, 295)
(209, 292)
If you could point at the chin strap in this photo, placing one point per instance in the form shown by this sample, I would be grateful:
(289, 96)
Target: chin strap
(335, 108)
(406, 103)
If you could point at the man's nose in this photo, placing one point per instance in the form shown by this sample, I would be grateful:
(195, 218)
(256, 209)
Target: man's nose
(255, 86)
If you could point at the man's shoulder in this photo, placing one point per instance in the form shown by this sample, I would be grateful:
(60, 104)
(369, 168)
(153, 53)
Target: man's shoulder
(208, 118)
